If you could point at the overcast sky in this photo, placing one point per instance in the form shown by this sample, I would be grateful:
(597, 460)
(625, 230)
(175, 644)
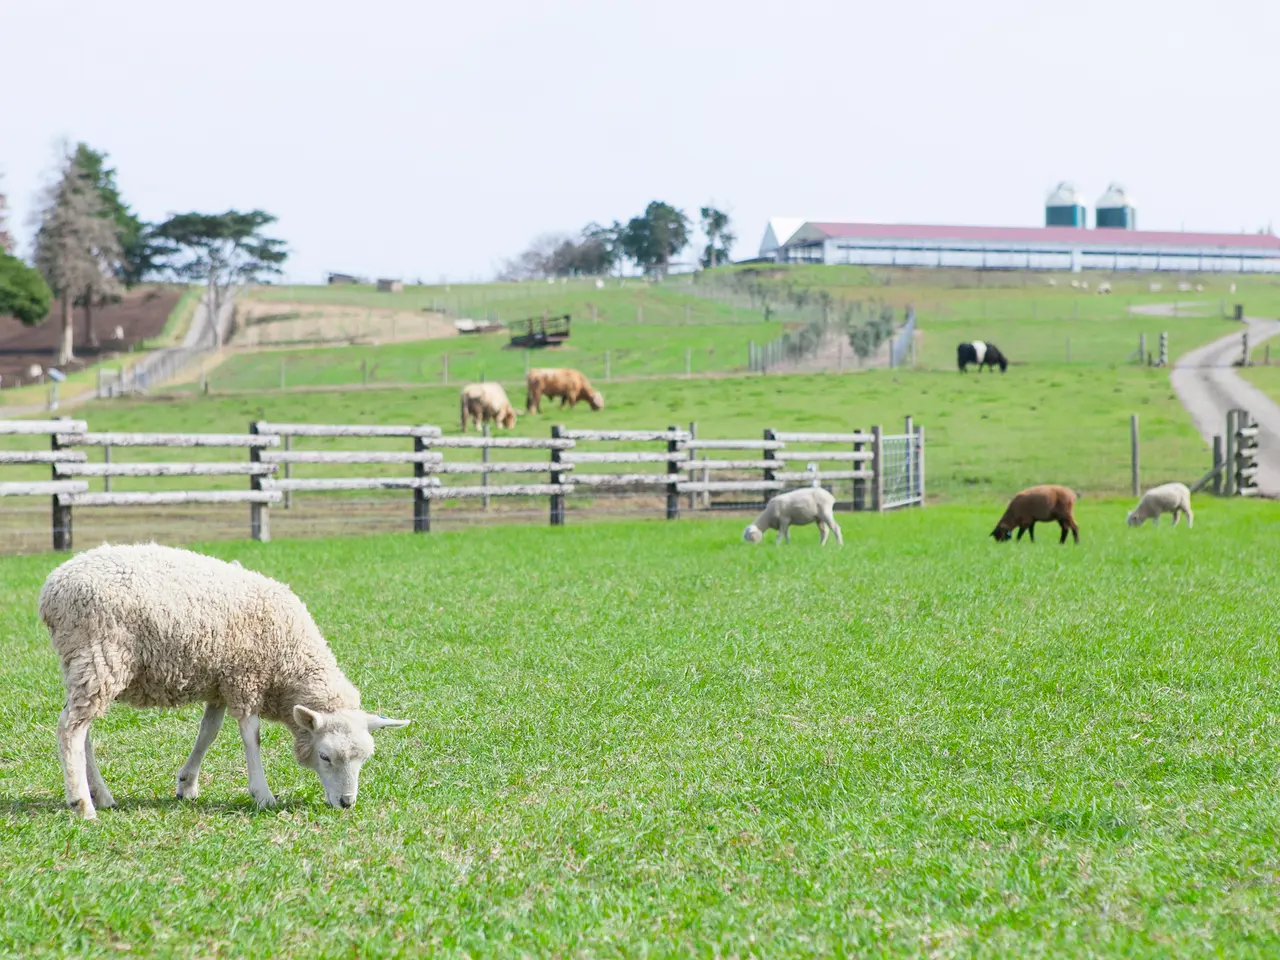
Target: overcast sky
(428, 139)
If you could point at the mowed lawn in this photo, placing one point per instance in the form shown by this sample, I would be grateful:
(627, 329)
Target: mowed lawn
(652, 739)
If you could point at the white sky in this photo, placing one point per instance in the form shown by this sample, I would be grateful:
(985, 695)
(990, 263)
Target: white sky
(425, 139)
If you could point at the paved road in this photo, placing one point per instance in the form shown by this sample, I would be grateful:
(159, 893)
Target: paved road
(1208, 384)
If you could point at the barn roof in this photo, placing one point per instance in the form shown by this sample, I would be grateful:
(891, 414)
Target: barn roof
(1074, 236)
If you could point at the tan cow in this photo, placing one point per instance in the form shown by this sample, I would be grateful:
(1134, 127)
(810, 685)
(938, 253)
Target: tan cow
(483, 402)
(569, 385)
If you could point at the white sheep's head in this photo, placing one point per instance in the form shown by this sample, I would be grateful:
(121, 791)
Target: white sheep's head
(752, 534)
(1133, 519)
(596, 400)
(336, 745)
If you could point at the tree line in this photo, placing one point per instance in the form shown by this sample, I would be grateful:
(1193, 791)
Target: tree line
(91, 246)
(650, 241)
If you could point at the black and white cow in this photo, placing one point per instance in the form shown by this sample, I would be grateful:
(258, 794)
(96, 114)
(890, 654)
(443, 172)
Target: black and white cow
(983, 354)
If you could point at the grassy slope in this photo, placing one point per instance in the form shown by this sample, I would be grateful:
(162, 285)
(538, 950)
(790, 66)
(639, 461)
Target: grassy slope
(1030, 321)
(651, 738)
(988, 435)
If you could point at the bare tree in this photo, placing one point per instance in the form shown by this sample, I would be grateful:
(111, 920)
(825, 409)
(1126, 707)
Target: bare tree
(6, 238)
(77, 247)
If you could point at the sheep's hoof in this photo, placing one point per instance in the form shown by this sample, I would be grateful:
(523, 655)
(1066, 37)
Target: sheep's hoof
(265, 802)
(188, 789)
(104, 802)
(84, 809)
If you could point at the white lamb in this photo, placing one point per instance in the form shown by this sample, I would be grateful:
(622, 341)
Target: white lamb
(799, 507)
(1172, 498)
(157, 627)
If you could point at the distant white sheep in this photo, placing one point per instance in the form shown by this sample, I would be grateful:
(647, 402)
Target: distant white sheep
(1104, 287)
(1155, 287)
(1172, 498)
(797, 508)
(158, 627)
(1184, 287)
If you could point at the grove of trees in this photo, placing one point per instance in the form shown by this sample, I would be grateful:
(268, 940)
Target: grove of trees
(650, 241)
(90, 247)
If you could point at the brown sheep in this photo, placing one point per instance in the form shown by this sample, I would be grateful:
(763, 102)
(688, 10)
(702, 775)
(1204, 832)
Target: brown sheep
(569, 385)
(1039, 505)
(483, 402)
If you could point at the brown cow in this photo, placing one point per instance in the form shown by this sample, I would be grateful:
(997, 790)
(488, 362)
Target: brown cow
(1039, 505)
(569, 385)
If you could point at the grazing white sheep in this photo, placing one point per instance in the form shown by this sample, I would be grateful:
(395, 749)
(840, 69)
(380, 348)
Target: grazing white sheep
(797, 508)
(1172, 498)
(157, 627)
(1233, 288)
(1155, 287)
(1184, 287)
(1104, 286)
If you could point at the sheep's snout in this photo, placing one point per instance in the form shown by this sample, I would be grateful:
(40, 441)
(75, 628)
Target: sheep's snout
(752, 534)
(1133, 519)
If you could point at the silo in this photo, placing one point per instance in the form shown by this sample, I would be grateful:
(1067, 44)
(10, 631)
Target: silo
(1115, 210)
(1063, 208)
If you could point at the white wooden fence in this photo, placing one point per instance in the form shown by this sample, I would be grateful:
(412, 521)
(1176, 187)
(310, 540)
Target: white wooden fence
(717, 473)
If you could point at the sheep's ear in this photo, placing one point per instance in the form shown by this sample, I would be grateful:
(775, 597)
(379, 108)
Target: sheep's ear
(307, 719)
(377, 722)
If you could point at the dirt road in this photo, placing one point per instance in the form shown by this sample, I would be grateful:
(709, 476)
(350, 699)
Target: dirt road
(1208, 384)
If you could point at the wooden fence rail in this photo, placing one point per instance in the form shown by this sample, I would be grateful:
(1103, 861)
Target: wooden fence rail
(757, 468)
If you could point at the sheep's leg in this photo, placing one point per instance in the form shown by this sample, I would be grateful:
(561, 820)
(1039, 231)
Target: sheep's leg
(822, 529)
(1031, 531)
(73, 734)
(1176, 515)
(189, 775)
(836, 527)
(783, 526)
(98, 790)
(1075, 531)
(250, 733)
(1021, 531)
(1191, 517)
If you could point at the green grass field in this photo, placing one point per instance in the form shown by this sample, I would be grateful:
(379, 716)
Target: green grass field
(647, 328)
(652, 739)
(987, 435)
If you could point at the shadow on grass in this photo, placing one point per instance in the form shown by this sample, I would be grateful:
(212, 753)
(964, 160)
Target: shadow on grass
(43, 806)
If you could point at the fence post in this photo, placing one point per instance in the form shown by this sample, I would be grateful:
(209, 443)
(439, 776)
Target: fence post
(1142, 348)
(920, 460)
(1217, 465)
(693, 435)
(908, 429)
(1244, 346)
(61, 514)
(106, 458)
(877, 469)
(484, 474)
(751, 356)
(288, 471)
(1133, 453)
(259, 513)
(673, 472)
(1164, 349)
(421, 502)
(769, 470)
(444, 369)
(1229, 473)
(557, 499)
(859, 483)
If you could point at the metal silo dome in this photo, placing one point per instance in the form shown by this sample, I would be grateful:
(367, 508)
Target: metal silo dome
(1063, 207)
(1116, 210)
(1063, 195)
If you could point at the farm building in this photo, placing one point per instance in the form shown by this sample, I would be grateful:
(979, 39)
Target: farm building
(1025, 248)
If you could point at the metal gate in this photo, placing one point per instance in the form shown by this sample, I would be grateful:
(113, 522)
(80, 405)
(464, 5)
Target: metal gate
(903, 468)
